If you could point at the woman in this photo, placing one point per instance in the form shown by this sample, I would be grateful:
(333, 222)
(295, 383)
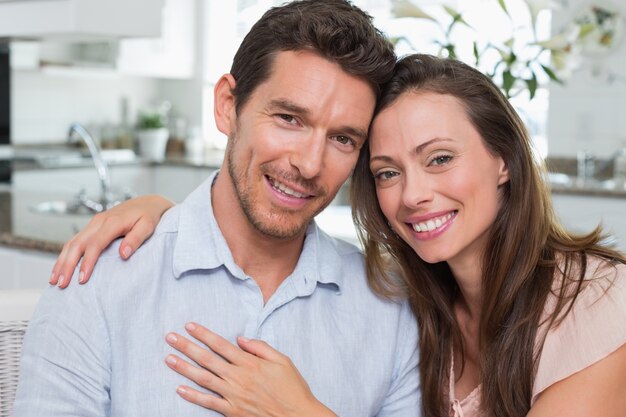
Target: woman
(517, 316)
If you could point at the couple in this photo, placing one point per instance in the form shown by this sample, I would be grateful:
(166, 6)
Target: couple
(516, 316)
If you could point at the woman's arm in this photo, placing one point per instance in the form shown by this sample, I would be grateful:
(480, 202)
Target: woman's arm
(256, 381)
(598, 390)
(136, 219)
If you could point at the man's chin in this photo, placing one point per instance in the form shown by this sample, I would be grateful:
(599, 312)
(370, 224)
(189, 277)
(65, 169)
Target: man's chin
(282, 227)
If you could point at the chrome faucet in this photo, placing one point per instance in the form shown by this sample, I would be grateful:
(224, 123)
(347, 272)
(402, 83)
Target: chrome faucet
(586, 165)
(106, 198)
(617, 160)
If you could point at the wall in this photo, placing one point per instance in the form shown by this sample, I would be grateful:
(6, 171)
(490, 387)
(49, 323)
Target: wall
(589, 112)
(44, 104)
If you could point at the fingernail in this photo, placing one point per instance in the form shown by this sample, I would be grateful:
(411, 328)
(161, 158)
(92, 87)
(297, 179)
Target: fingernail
(171, 338)
(52, 278)
(81, 277)
(171, 360)
(126, 251)
(181, 390)
(190, 326)
(61, 280)
(244, 339)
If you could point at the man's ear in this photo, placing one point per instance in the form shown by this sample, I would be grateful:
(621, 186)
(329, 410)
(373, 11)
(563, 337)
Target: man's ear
(224, 104)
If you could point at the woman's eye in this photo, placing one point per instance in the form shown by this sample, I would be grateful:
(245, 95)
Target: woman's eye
(441, 160)
(385, 175)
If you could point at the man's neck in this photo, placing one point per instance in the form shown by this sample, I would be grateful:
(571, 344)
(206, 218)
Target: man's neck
(267, 260)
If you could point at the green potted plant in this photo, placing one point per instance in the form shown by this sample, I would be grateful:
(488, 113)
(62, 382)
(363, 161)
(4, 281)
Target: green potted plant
(152, 134)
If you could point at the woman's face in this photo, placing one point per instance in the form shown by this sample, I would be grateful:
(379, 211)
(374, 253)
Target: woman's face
(436, 182)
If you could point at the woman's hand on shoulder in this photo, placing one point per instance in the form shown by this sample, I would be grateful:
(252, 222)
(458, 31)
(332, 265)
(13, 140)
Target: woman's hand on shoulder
(255, 380)
(135, 219)
(598, 390)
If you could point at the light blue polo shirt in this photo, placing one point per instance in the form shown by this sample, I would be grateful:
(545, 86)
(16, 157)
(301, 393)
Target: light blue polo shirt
(99, 349)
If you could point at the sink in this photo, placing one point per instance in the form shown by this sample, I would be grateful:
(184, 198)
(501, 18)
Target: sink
(557, 178)
(617, 184)
(81, 204)
(566, 181)
(61, 207)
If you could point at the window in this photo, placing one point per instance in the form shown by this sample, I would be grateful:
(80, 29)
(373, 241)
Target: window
(228, 22)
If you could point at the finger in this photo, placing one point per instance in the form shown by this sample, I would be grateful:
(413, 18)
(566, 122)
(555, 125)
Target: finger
(200, 376)
(217, 343)
(203, 357)
(90, 258)
(54, 277)
(139, 233)
(260, 349)
(59, 277)
(62, 270)
(206, 400)
(75, 249)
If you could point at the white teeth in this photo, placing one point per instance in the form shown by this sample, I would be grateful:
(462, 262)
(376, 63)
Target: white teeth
(279, 186)
(431, 224)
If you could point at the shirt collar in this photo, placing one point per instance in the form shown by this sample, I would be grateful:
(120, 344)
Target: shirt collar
(201, 245)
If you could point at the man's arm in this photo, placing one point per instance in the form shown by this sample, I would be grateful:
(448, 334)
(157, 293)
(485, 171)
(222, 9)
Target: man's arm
(65, 358)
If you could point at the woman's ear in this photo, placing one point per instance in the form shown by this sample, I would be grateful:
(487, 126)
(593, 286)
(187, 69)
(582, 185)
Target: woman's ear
(503, 172)
(224, 104)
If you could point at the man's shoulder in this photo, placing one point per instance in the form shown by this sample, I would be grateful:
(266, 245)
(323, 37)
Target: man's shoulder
(339, 246)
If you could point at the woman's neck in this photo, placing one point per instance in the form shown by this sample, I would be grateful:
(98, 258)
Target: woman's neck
(468, 277)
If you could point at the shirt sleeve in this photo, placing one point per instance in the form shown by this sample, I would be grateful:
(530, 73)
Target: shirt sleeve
(403, 398)
(65, 357)
(592, 330)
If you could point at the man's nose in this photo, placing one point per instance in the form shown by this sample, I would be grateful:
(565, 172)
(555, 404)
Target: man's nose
(308, 156)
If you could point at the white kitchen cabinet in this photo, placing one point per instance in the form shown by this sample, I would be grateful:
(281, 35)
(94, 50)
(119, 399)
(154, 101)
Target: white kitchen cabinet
(80, 19)
(169, 56)
(23, 268)
(69, 181)
(583, 213)
(176, 182)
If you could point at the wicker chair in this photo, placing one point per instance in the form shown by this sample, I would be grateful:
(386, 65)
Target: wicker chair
(16, 308)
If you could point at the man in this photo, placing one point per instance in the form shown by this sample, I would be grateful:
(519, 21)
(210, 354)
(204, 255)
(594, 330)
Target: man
(242, 255)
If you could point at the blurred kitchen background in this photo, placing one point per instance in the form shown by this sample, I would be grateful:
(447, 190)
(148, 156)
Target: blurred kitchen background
(87, 87)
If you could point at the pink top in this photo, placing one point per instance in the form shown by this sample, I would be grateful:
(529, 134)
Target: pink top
(595, 326)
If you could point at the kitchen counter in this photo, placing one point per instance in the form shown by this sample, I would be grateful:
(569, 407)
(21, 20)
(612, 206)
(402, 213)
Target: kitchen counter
(590, 188)
(21, 227)
(55, 158)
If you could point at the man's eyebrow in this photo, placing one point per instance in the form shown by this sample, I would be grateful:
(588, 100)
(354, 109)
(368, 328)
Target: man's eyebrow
(287, 105)
(354, 131)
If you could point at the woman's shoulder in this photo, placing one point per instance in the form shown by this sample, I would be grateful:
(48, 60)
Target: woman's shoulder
(587, 329)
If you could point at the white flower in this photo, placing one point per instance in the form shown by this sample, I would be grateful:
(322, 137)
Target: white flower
(563, 40)
(536, 6)
(565, 62)
(406, 8)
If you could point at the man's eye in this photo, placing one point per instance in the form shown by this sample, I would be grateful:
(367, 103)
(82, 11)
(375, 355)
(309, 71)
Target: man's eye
(287, 118)
(345, 140)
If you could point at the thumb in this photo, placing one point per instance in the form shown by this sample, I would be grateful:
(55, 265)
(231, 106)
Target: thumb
(259, 348)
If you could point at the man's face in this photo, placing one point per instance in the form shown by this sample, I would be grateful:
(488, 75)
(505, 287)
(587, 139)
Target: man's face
(296, 140)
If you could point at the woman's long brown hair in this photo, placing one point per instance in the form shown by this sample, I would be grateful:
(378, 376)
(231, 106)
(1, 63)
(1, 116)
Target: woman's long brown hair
(519, 263)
